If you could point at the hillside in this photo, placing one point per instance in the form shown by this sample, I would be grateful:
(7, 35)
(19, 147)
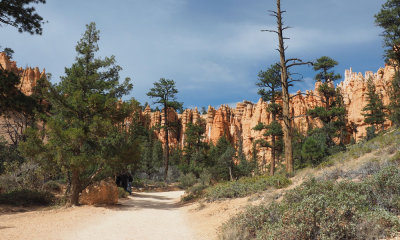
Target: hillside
(359, 162)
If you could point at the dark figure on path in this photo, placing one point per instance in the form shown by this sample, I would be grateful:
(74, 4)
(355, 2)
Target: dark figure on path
(125, 181)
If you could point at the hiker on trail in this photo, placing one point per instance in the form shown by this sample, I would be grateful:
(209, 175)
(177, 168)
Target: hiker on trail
(125, 181)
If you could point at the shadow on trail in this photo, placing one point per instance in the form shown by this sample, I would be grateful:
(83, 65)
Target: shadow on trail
(10, 210)
(143, 201)
(4, 227)
(141, 195)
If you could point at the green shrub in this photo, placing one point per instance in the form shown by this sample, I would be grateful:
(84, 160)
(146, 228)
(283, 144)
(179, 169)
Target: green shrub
(205, 177)
(245, 186)
(122, 193)
(188, 180)
(385, 188)
(138, 183)
(381, 141)
(188, 198)
(159, 184)
(246, 225)
(25, 176)
(326, 210)
(197, 189)
(26, 197)
(194, 192)
(52, 186)
(314, 149)
(371, 132)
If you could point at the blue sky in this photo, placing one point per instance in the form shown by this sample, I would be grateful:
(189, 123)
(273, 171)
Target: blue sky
(213, 49)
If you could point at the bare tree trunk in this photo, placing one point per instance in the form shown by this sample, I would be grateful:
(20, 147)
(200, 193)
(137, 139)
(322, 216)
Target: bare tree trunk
(287, 125)
(75, 187)
(273, 149)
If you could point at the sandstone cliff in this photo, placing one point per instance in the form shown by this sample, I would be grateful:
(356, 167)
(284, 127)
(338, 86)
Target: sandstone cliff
(29, 76)
(237, 124)
(12, 124)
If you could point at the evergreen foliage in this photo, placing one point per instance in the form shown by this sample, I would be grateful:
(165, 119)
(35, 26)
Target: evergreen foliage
(222, 160)
(394, 96)
(8, 51)
(270, 87)
(21, 15)
(203, 110)
(152, 154)
(373, 112)
(244, 167)
(314, 149)
(195, 150)
(333, 112)
(164, 92)
(389, 19)
(324, 64)
(87, 137)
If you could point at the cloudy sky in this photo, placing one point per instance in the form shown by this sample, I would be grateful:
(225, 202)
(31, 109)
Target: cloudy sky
(213, 49)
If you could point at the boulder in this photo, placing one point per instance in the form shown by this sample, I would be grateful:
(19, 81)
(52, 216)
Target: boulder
(103, 192)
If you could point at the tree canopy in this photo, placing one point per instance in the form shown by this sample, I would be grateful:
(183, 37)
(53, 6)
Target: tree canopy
(389, 19)
(21, 15)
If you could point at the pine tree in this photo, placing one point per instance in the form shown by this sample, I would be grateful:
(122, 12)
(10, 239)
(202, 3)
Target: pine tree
(221, 159)
(332, 113)
(203, 110)
(314, 149)
(194, 146)
(270, 87)
(164, 91)
(389, 19)
(341, 121)
(87, 134)
(373, 112)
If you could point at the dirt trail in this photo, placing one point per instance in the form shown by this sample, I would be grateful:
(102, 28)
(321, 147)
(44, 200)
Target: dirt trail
(146, 216)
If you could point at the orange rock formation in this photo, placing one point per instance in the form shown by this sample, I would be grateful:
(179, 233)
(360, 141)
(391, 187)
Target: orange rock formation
(237, 124)
(29, 76)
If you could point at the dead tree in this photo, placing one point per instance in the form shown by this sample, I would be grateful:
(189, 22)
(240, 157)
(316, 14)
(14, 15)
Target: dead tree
(285, 64)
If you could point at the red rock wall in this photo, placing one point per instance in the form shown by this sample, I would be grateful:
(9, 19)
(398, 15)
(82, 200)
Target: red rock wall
(238, 123)
(29, 78)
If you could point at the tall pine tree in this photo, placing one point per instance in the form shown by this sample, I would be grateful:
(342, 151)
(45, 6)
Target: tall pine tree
(332, 112)
(164, 92)
(270, 87)
(87, 135)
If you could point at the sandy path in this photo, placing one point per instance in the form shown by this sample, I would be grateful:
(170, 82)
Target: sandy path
(146, 216)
